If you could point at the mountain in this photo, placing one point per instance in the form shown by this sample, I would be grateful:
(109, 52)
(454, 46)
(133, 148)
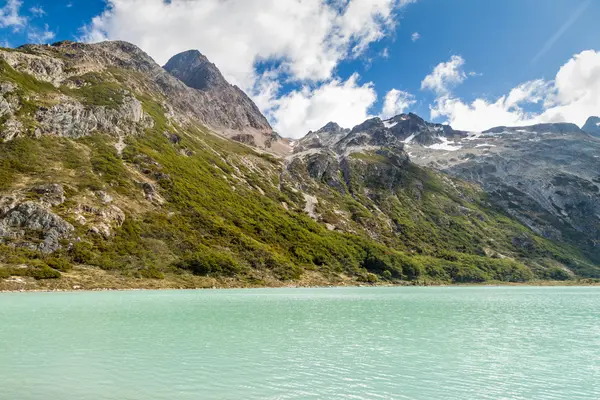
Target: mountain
(547, 175)
(116, 172)
(236, 114)
(592, 126)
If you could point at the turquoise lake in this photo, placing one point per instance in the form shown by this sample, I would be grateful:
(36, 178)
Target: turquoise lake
(343, 343)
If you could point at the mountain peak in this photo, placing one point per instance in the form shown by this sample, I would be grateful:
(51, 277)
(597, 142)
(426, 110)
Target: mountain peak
(195, 70)
(592, 126)
(331, 127)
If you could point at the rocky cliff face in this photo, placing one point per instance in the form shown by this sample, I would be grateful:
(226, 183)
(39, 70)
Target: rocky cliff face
(592, 126)
(234, 109)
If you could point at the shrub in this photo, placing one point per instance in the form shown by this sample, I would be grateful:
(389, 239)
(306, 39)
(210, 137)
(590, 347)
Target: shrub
(59, 264)
(210, 262)
(557, 274)
(368, 278)
(44, 272)
(151, 273)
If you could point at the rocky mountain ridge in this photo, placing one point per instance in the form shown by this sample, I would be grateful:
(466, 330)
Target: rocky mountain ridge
(592, 126)
(70, 67)
(545, 175)
(112, 166)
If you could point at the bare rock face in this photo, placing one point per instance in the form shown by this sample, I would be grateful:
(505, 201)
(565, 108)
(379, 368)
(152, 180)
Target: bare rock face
(25, 219)
(51, 194)
(592, 126)
(234, 109)
(47, 69)
(327, 136)
(72, 119)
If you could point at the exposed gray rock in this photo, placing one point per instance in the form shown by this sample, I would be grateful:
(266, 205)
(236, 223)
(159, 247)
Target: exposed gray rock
(52, 194)
(327, 136)
(10, 129)
(227, 104)
(26, 218)
(209, 100)
(592, 126)
(47, 69)
(244, 138)
(73, 119)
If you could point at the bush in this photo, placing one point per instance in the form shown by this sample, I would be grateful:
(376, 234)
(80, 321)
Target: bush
(81, 253)
(210, 262)
(368, 278)
(151, 273)
(44, 272)
(557, 274)
(59, 264)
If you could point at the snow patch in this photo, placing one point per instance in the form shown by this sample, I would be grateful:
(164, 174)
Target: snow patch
(473, 136)
(410, 138)
(485, 145)
(445, 145)
(390, 123)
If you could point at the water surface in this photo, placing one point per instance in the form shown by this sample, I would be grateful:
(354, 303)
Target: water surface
(356, 343)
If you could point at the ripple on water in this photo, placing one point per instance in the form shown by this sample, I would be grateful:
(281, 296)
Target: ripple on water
(370, 343)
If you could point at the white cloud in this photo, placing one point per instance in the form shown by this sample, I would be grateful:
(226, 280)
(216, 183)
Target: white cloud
(309, 38)
(37, 11)
(572, 96)
(304, 39)
(345, 102)
(445, 76)
(396, 102)
(415, 36)
(40, 36)
(9, 15)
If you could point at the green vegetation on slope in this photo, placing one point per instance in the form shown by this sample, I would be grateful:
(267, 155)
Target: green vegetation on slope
(222, 210)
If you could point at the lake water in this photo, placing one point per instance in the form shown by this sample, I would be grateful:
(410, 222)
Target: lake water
(355, 343)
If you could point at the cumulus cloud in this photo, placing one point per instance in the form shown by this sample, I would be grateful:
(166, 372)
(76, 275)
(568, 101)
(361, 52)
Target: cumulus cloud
(10, 17)
(396, 102)
(415, 36)
(345, 102)
(308, 38)
(40, 36)
(445, 76)
(301, 41)
(572, 96)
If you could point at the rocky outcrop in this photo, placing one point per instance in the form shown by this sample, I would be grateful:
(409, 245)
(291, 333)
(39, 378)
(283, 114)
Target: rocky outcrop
(100, 220)
(592, 126)
(73, 119)
(51, 194)
(22, 223)
(327, 136)
(227, 104)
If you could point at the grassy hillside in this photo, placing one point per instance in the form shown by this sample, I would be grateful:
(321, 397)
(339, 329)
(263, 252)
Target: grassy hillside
(179, 202)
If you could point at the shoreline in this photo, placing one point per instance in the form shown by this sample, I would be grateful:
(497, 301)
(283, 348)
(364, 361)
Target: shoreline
(87, 279)
(540, 284)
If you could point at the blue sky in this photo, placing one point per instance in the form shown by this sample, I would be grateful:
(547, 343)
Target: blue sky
(500, 44)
